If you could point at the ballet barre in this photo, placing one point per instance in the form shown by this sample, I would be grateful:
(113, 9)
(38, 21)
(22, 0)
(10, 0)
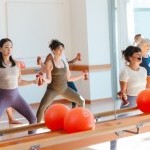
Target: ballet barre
(112, 112)
(105, 131)
(42, 125)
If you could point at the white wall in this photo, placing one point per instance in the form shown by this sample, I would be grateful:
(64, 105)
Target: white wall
(81, 24)
(90, 31)
(39, 21)
(31, 24)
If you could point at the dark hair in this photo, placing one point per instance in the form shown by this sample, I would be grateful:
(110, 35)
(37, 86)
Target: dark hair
(129, 51)
(2, 42)
(55, 44)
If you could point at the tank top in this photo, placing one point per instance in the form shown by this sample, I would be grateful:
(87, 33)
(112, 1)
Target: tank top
(59, 78)
(9, 77)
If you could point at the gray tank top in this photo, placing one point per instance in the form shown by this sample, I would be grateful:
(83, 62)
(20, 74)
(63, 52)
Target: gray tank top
(9, 77)
(59, 78)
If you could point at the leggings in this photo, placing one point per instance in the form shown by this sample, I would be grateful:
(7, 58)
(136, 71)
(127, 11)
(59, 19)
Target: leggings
(72, 86)
(49, 96)
(132, 101)
(12, 98)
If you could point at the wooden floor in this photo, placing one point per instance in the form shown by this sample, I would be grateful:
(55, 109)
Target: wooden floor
(137, 142)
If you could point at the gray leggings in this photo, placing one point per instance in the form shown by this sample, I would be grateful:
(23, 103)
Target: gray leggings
(132, 101)
(12, 98)
(49, 96)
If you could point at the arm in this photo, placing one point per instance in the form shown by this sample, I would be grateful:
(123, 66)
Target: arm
(39, 61)
(123, 86)
(72, 61)
(48, 70)
(148, 82)
(77, 58)
(122, 93)
(49, 57)
(24, 82)
(74, 78)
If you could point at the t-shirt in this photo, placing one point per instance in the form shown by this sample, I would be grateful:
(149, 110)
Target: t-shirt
(136, 80)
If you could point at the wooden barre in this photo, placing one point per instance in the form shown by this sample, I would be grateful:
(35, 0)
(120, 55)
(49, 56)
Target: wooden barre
(102, 132)
(118, 111)
(22, 128)
(34, 70)
(42, 125)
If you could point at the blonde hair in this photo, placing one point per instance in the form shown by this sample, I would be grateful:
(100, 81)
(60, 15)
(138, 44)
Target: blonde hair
(143, 41)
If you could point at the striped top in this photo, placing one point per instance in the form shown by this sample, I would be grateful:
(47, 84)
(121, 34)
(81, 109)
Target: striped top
(9, 77)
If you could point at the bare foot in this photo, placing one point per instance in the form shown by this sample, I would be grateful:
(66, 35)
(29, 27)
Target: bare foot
(14, 122)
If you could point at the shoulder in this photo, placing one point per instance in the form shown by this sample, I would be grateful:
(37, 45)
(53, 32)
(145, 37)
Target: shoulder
(144, 70)
(50, 56)
(125, 69)
(17, 63)
(49, 63)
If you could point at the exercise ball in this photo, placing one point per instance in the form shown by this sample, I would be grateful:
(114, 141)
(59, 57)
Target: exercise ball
(79, 119)
(54, 116)
(143, 101)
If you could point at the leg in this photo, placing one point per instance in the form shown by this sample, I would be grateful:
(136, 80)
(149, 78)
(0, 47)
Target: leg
(45, 102)
(113, 145)
(20, 105)
(74, 97)
(72, 86)
(5, 101)
(10, 116)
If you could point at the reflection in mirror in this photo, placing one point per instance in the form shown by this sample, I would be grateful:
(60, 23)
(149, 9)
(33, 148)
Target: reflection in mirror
(130, 16)
(100, 90)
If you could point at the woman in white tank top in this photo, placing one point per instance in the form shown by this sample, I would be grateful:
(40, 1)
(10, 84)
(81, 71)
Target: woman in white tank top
(10, 79)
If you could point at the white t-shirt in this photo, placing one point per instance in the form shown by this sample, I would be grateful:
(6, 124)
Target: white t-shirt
(136, 80)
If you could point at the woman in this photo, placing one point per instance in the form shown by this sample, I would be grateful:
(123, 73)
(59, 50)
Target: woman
(144, 45)
(133, 79)
(70, 84)
(10, 78)
(57, 75)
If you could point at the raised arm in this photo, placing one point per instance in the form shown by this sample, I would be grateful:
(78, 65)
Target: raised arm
(77, 58)
(41, 63)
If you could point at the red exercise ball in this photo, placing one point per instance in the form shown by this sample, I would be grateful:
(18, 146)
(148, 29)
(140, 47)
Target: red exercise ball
(54, 116)
(79, 119)
(22, 65)
(143, 101)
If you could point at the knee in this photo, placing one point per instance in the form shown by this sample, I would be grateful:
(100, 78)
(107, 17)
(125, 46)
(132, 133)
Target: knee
(82, 102)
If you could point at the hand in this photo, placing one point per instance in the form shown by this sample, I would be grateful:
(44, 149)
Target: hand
(85, 73)
(40, 79)
(39, 60)
(78, 57)
(122, 96)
